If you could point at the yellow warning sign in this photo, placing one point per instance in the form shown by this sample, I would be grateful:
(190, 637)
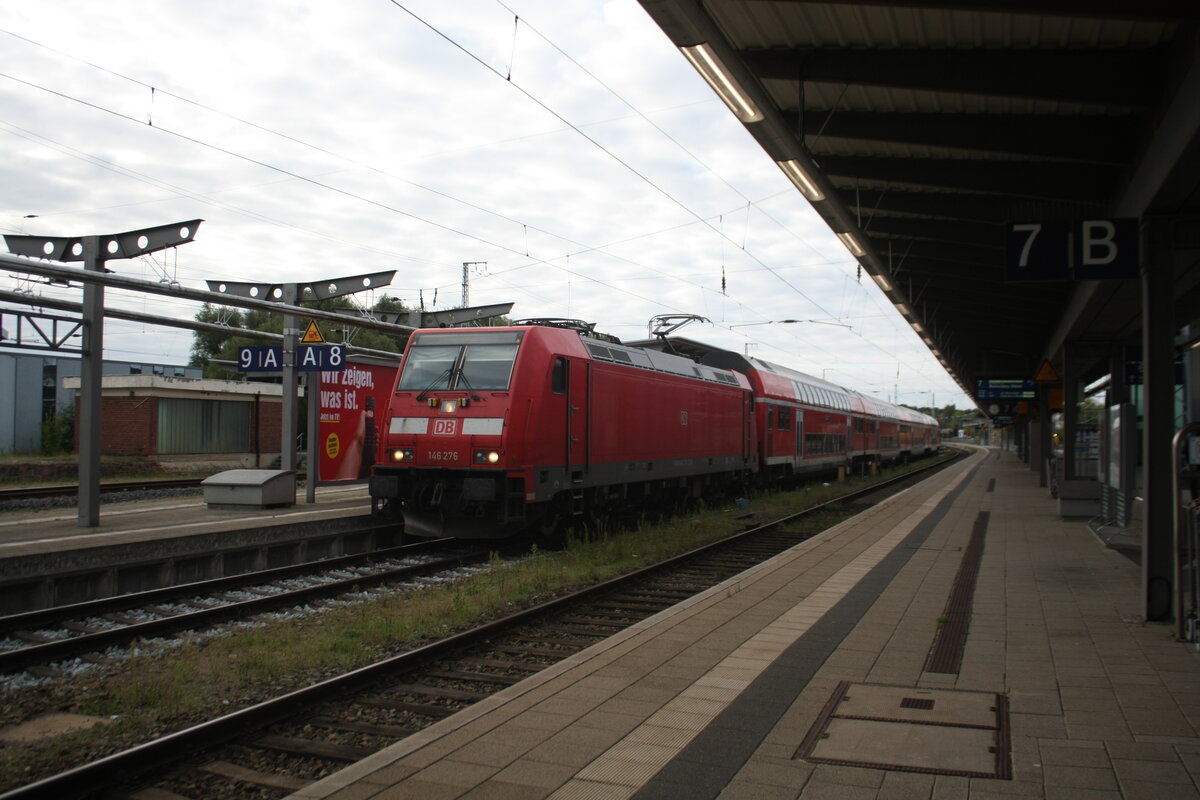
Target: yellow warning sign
(312, 334)
(1046, 373)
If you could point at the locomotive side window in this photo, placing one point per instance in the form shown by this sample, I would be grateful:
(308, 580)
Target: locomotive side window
(558, 378)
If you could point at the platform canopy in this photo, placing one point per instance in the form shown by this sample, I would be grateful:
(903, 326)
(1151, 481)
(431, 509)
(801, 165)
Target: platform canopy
(921, 130)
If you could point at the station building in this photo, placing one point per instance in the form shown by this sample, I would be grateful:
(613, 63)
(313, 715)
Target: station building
(162, 412)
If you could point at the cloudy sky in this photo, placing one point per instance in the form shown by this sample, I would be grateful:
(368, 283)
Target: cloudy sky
(564, 146)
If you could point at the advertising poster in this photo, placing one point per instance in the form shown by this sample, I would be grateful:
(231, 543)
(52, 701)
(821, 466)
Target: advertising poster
(351, 405)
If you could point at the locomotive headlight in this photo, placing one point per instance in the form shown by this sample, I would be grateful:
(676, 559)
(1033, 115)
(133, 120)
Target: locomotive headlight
(487, 456)
(449, 406)
(404, 455)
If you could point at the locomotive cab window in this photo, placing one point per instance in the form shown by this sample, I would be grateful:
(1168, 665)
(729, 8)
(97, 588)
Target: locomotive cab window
(487, 366)
(428, 368)
(467, 362)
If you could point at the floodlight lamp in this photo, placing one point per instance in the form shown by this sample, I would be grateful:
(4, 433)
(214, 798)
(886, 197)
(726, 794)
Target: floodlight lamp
(714, 72)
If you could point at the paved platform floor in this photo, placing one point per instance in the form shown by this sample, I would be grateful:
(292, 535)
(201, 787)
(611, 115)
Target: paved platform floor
(832, 672)
(51, 530)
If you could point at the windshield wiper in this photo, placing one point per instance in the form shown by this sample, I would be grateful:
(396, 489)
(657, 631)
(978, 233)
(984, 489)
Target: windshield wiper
(462, 378)
(446, 373)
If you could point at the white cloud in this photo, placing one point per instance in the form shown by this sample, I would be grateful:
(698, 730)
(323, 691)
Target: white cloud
(384, 139)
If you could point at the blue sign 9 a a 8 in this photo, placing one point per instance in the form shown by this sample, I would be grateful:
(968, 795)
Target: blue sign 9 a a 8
(309, 358)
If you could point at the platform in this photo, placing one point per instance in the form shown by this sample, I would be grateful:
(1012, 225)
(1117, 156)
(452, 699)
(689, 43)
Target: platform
(47, 559)
(864, 663)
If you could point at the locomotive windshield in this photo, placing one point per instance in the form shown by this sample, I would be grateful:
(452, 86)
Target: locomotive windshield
(438, 362)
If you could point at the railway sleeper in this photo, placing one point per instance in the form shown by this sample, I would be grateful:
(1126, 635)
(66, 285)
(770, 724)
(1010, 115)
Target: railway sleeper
(478, 677)
(43, 671)
(611, 621)
(419, 709)
(226, 769)
(494, 663)
(586, 634)
(355, 726)
(555, 655)
(155, 793)
(553, 640)
(444, 692)
(311, 748)
(595, 615)
(647, 606)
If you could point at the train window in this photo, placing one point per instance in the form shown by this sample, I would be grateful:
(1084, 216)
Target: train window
(785, 418)
(487, 367)
(428, 367)
(475, 367)
(558, 378)
(770, 417)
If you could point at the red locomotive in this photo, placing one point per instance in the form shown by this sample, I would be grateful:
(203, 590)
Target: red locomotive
(493, 430)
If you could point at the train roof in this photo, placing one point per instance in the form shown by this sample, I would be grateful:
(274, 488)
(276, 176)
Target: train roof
(661, 362)
(731, 359)
(600, 347)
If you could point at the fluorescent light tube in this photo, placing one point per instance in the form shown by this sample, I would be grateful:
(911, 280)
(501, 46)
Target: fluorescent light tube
(713, 71)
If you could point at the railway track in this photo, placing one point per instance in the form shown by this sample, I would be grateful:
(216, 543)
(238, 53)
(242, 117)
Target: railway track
(90, 629)
(278, 746)
(42, 492)
(106, 488)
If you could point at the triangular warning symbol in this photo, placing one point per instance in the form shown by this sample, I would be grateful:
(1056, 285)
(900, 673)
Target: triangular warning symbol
(312, 335)
(1046, 373)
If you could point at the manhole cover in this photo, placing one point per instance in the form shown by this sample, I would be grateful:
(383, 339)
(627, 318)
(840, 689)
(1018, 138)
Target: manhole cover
(941, 731)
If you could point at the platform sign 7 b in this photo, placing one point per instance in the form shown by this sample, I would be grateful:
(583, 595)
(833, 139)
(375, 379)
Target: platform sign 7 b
(1071, 250)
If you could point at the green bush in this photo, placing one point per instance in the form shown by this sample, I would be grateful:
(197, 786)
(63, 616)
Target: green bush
(58, 432)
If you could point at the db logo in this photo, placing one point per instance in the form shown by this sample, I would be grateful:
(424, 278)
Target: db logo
(445, 427)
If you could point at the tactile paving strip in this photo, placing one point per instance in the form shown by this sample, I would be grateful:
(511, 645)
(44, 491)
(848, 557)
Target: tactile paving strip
(937, 731)
(951, 639)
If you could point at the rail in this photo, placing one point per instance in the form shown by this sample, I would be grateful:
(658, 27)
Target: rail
(126, 765)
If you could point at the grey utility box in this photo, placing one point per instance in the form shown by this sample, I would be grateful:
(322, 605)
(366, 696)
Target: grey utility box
(250, 488)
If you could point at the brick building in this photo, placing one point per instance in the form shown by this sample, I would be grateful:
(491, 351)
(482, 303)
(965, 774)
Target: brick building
(189, 420)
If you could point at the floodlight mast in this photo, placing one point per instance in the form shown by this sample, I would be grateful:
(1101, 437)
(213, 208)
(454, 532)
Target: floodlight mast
(290, 294)
(93, 251)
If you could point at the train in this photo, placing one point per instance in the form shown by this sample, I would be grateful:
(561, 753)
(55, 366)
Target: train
(492, 431)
